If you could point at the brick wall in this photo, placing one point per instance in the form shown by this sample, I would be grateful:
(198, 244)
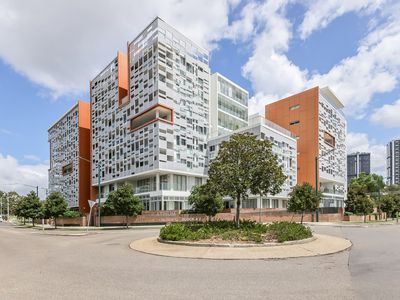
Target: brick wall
(168, 216)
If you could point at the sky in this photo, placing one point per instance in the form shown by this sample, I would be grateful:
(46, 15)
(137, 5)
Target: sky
(50, 50)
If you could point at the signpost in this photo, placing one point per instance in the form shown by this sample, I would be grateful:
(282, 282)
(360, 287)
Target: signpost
(91, 204)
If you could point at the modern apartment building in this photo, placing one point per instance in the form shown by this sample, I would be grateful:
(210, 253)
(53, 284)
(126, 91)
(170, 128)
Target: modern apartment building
(150, 118)
(315, 116)
(69, 171)
(359, 162)
(393, 162)
(228, 105)
(284, 146)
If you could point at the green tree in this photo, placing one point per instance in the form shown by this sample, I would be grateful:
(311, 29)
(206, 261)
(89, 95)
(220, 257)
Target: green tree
(206, 199)
(303, 198)
(238, 169)
(9, 200)
(387, 204)
(55, 206)
(29, 207)
(125, 202)
(372, 184)
(359, 202)
(107, 209)
(20, 209)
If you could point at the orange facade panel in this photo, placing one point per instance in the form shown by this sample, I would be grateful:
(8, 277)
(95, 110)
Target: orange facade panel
(123, 82)
(84, 156)
(299, 114)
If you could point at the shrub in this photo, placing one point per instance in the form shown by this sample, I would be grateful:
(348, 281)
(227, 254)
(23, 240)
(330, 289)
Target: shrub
(71, 214)
(348, 213)
(227, 230)
(289, 231)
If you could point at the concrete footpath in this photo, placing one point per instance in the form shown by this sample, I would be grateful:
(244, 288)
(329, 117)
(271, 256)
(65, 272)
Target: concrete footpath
(321, 245)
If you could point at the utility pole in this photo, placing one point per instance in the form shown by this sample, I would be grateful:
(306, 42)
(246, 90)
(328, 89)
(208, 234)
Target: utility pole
(8, 209)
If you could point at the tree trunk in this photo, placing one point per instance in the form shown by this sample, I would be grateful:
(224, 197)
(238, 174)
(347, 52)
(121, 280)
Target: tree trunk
(24, 220)
(126, 218)
(209, 218)
(365, 218)
(33, 222)
(55, 223)
(302, 215)
(238, 211)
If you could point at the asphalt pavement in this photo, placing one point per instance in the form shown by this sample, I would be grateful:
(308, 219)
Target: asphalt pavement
(102, 266)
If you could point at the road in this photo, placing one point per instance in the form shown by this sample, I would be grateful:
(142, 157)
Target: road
(102, 266)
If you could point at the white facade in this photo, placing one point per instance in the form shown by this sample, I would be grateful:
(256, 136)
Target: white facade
(284, 146)
(229, 106)
(332, 135)
(63, 137)
(156, 140)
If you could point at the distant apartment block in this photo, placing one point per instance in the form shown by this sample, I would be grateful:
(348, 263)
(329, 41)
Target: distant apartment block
(228, 105)
(315, 117)
(393, 162)
(69, 171)
(284, 147)
(150, 118)
(357, 163)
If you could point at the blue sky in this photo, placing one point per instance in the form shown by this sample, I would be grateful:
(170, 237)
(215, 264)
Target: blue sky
(271, 48)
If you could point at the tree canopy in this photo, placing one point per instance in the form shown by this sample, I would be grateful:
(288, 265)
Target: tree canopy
(29, 207)
(358, 201)
(124, 202)
(55, 206)
(245, 164)
(206, 199)
(303, 198)
(372, 184)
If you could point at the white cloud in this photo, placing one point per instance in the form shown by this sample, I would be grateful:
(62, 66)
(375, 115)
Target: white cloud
(31, 157)
(268, 68)
(388, 115)
(322, 12)
(374, 68)
(361, 143)
(61, 45)
(22, 178)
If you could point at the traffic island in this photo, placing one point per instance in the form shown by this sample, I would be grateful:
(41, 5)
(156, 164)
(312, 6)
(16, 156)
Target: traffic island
(318, 245)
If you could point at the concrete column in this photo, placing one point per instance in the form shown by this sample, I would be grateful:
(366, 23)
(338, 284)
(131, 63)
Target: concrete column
(157, 182)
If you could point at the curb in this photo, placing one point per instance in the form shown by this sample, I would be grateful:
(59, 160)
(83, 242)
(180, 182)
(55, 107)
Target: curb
(227, 245)
(321, 246)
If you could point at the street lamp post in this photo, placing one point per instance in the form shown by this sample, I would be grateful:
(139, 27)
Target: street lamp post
(316, 178)
(98, 193)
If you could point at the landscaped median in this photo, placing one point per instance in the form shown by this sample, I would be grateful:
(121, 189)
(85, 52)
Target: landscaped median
(224, 232)
(222, 240)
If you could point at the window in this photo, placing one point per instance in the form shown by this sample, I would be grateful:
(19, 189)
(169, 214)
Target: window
(179, 183)
(329, 139)
(67, 169)
(198, 181)
(297, 106)
(294, 122)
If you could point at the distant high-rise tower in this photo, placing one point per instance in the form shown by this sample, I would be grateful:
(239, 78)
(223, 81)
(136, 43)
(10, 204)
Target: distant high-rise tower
(393, 162)
(358, 163)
